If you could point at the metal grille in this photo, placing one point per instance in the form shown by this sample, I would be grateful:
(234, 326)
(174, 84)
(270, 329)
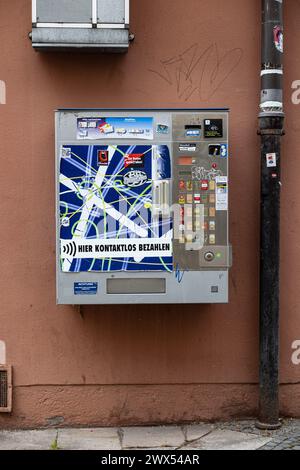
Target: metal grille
(3, 389)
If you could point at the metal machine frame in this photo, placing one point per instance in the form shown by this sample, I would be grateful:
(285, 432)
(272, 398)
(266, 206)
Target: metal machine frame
(198, 275)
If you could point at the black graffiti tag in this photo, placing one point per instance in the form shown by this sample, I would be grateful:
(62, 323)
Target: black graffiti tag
(195, 71)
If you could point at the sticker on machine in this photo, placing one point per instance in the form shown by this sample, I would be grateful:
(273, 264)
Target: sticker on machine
(213, 128)
(222, 193)
(138, 248)
(162, 129)
(85, 288)
(115, 128)
(186, 147)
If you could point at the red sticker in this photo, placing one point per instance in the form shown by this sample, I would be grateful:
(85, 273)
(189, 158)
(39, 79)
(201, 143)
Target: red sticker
(103, 157)
(134, 159)
(204, 185)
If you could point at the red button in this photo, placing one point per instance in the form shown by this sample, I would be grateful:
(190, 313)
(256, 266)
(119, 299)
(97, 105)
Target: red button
(214, 166)
(204, 185)
(182, 215)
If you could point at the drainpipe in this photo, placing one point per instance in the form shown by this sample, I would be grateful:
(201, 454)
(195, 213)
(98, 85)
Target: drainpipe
(271, 120)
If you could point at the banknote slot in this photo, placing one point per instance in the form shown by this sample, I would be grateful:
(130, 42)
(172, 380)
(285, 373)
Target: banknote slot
(193, 126)
(136, 286)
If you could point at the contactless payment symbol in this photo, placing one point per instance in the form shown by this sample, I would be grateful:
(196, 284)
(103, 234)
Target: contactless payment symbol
(213, 128)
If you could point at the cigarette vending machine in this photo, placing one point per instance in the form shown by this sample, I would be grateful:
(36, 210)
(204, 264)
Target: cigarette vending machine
(142, 206)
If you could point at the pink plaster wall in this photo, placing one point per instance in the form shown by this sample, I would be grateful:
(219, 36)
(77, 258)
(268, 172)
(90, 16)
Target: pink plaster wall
(134, 364)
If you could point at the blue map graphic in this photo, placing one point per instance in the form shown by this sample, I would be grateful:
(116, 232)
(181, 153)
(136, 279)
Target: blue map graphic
(106, 193)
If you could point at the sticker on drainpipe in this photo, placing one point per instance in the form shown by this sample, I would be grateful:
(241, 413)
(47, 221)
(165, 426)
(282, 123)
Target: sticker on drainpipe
(278, 38)
(271, 160)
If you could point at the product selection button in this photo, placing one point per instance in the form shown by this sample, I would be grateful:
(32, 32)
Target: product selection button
(197, 198)
(212, 239)
(212, 185)
(204, 185)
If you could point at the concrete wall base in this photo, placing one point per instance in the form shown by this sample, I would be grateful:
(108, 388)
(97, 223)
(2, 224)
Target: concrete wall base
(47, 406)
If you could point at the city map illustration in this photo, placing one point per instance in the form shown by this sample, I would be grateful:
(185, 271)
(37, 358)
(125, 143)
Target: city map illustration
(105, 198)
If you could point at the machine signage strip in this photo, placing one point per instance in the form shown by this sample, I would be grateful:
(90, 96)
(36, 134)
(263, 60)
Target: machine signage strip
(115, 128)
